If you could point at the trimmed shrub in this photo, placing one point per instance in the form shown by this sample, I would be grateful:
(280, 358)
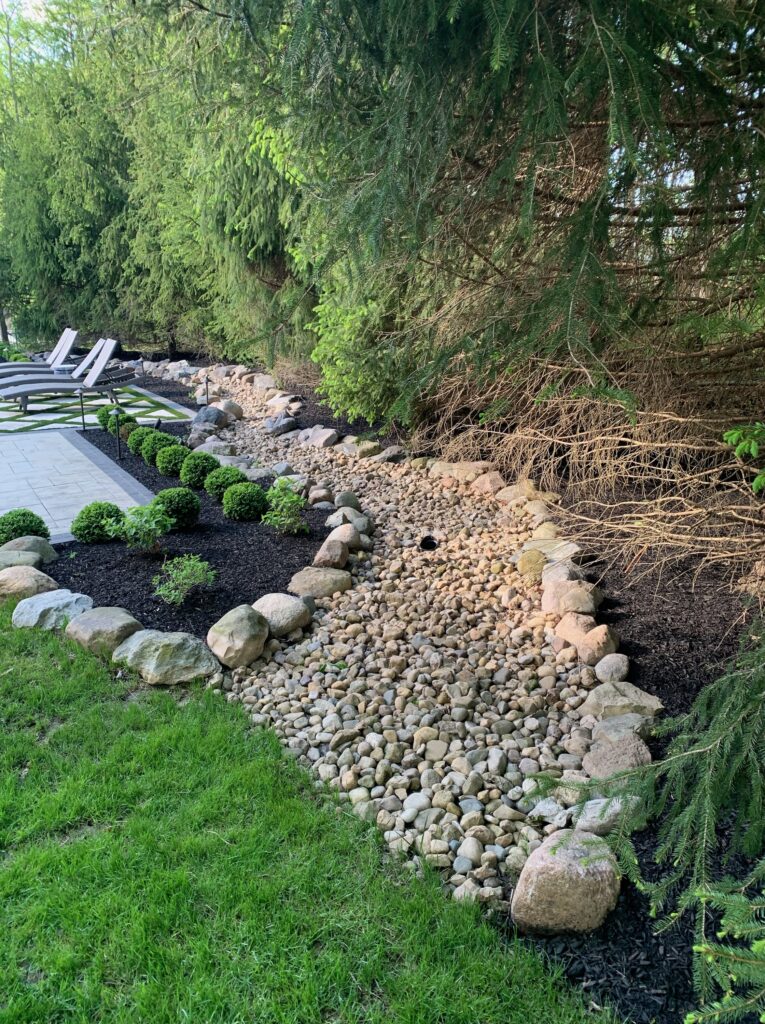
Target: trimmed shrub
(123, 419)
(126, 429)
(137, 438)
(102, 415)
(244, 502)
(89, 526)
(170, 459)
(196, 467)
(181, 504)
(153, 443)
(20, 522)
(218, 482)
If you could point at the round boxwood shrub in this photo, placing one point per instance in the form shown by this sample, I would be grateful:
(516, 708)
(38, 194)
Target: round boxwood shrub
(181, 504)
(196, 468)
(126, 429)
(152, 445)
(138, 437)
(218, 482)
(102, 415)
(89, 523)
(170, 459)
(123, 419)
(20, 522)
(244, 502)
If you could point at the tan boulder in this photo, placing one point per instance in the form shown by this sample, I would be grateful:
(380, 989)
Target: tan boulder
(20, 581)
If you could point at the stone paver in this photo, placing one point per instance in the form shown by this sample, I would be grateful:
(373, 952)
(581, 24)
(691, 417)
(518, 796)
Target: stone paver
(57, 473)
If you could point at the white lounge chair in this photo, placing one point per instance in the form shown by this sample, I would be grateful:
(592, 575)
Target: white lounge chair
(55, 358)
(98, 381)
(42, 373)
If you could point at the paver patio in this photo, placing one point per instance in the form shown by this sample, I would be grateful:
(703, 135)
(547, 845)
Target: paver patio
(55, 473)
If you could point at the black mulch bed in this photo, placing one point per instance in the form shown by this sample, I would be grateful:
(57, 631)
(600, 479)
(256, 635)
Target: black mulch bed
(251, 559)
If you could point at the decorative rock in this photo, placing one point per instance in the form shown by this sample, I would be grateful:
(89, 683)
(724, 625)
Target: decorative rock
(611, 699)
(9, 559)
(366, 449)
(488, 483)
(165, 659)
(213, 416)
(283, 613)
(347, 499)
(571, 596)
(614, 668)
(51, 610)
(29, 543)
(613, 730)
(598, 643)
(315, 582)
(281, 424)
(607, 759)
(24, 581)
(227, 406)
(238, 637)
(347, 534)
(472, 850)
(333, 554)
(395, 453)
(465, 472)
(322, 437)
(101, 630)
(602, 816)
(569, 883)
(531, 563)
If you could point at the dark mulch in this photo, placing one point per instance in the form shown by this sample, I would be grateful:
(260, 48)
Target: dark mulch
(251, 559)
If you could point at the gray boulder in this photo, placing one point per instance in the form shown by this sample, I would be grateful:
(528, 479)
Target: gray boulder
(238, 638)
(315, 582)
(347, 499)
(603, 815)
(322, 437)
(281, 424)
(101, 630)
(13, 558)
(164, 659)
(52, 610)
(283, 613)
(606, 759)
(213, 416)
(614, 668)
(395, 453)
(37, 544)
(569, 884)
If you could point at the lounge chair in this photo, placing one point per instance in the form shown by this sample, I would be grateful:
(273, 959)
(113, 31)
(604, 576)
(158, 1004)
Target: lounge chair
(55, 358)
(98, 381)
(42, 373)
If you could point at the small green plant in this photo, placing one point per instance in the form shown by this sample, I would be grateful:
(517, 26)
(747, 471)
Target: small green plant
(170, 459)
(153, 443)
(138, 437)
(244, 502)
(748, 442)
(123, 420)
(218, 482)
(102, 415)
(21, 522)
(284, 508)
(180, 576)
(126, 429)
(142, 528)
(181, 504)
(196, 468)
(89, 525)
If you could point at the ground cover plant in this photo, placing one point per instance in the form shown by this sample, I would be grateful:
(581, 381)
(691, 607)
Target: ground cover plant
(179, 576)
(162, 862)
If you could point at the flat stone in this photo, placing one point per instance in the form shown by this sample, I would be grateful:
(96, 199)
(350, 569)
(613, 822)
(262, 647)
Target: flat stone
(29, 543)
(315, 582)
(603, 815)
(51, 610)
(281, 424)
(238, 637)
(465, 472)
(22, 581)
(165, 659)
(283, 613)
(569, 884)
(14, 558)
(611, 699)
(613, 730)
(322, 437)
(394, 453)
(228, 406)
(101, 630)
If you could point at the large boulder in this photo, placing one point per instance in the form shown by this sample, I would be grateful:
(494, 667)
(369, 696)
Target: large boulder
(611, 699)
(569, 884)
(333, 554)
(164, 659)
(37, 544)
(394, 453)
(565, 596)
(488, 483)
(606, 759)
(464, 472)
(314, 582)
(322, 437)
(347, 534)
(8, 559)
(24, 581)
(283, 613)
(281, 424)
(230, 407)
(51, 610)
(614, 668)
(602, 815)
(101, 630)
(238, 638)
(211, 415)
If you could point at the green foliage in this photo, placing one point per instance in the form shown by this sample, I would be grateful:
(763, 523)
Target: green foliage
(711, 775)
(196, 467)
(170, 459)
(217, 482)
(244, 502)
(128, 428)
(180, 576)
(181, 504)
(89, 525)
(154, 443)
(109, 416)
(137, 438)
(142, 528)
(748, 442)
(285, 506)
(20, 522)
(122, 420)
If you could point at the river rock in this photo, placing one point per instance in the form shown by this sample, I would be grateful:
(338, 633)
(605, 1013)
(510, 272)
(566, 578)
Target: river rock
(614, 668)
(283, 613)
(101, 630)
(569, 884)
(165, 659)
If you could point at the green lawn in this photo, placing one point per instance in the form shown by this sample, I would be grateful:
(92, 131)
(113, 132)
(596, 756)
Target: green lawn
(161, 863)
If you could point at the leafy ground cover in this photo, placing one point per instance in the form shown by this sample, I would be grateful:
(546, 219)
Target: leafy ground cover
(159, 861)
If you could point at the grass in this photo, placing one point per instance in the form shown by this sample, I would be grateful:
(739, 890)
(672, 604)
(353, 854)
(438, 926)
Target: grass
(159, 862)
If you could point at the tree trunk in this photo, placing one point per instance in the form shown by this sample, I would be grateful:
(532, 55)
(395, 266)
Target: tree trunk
(4, 336)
